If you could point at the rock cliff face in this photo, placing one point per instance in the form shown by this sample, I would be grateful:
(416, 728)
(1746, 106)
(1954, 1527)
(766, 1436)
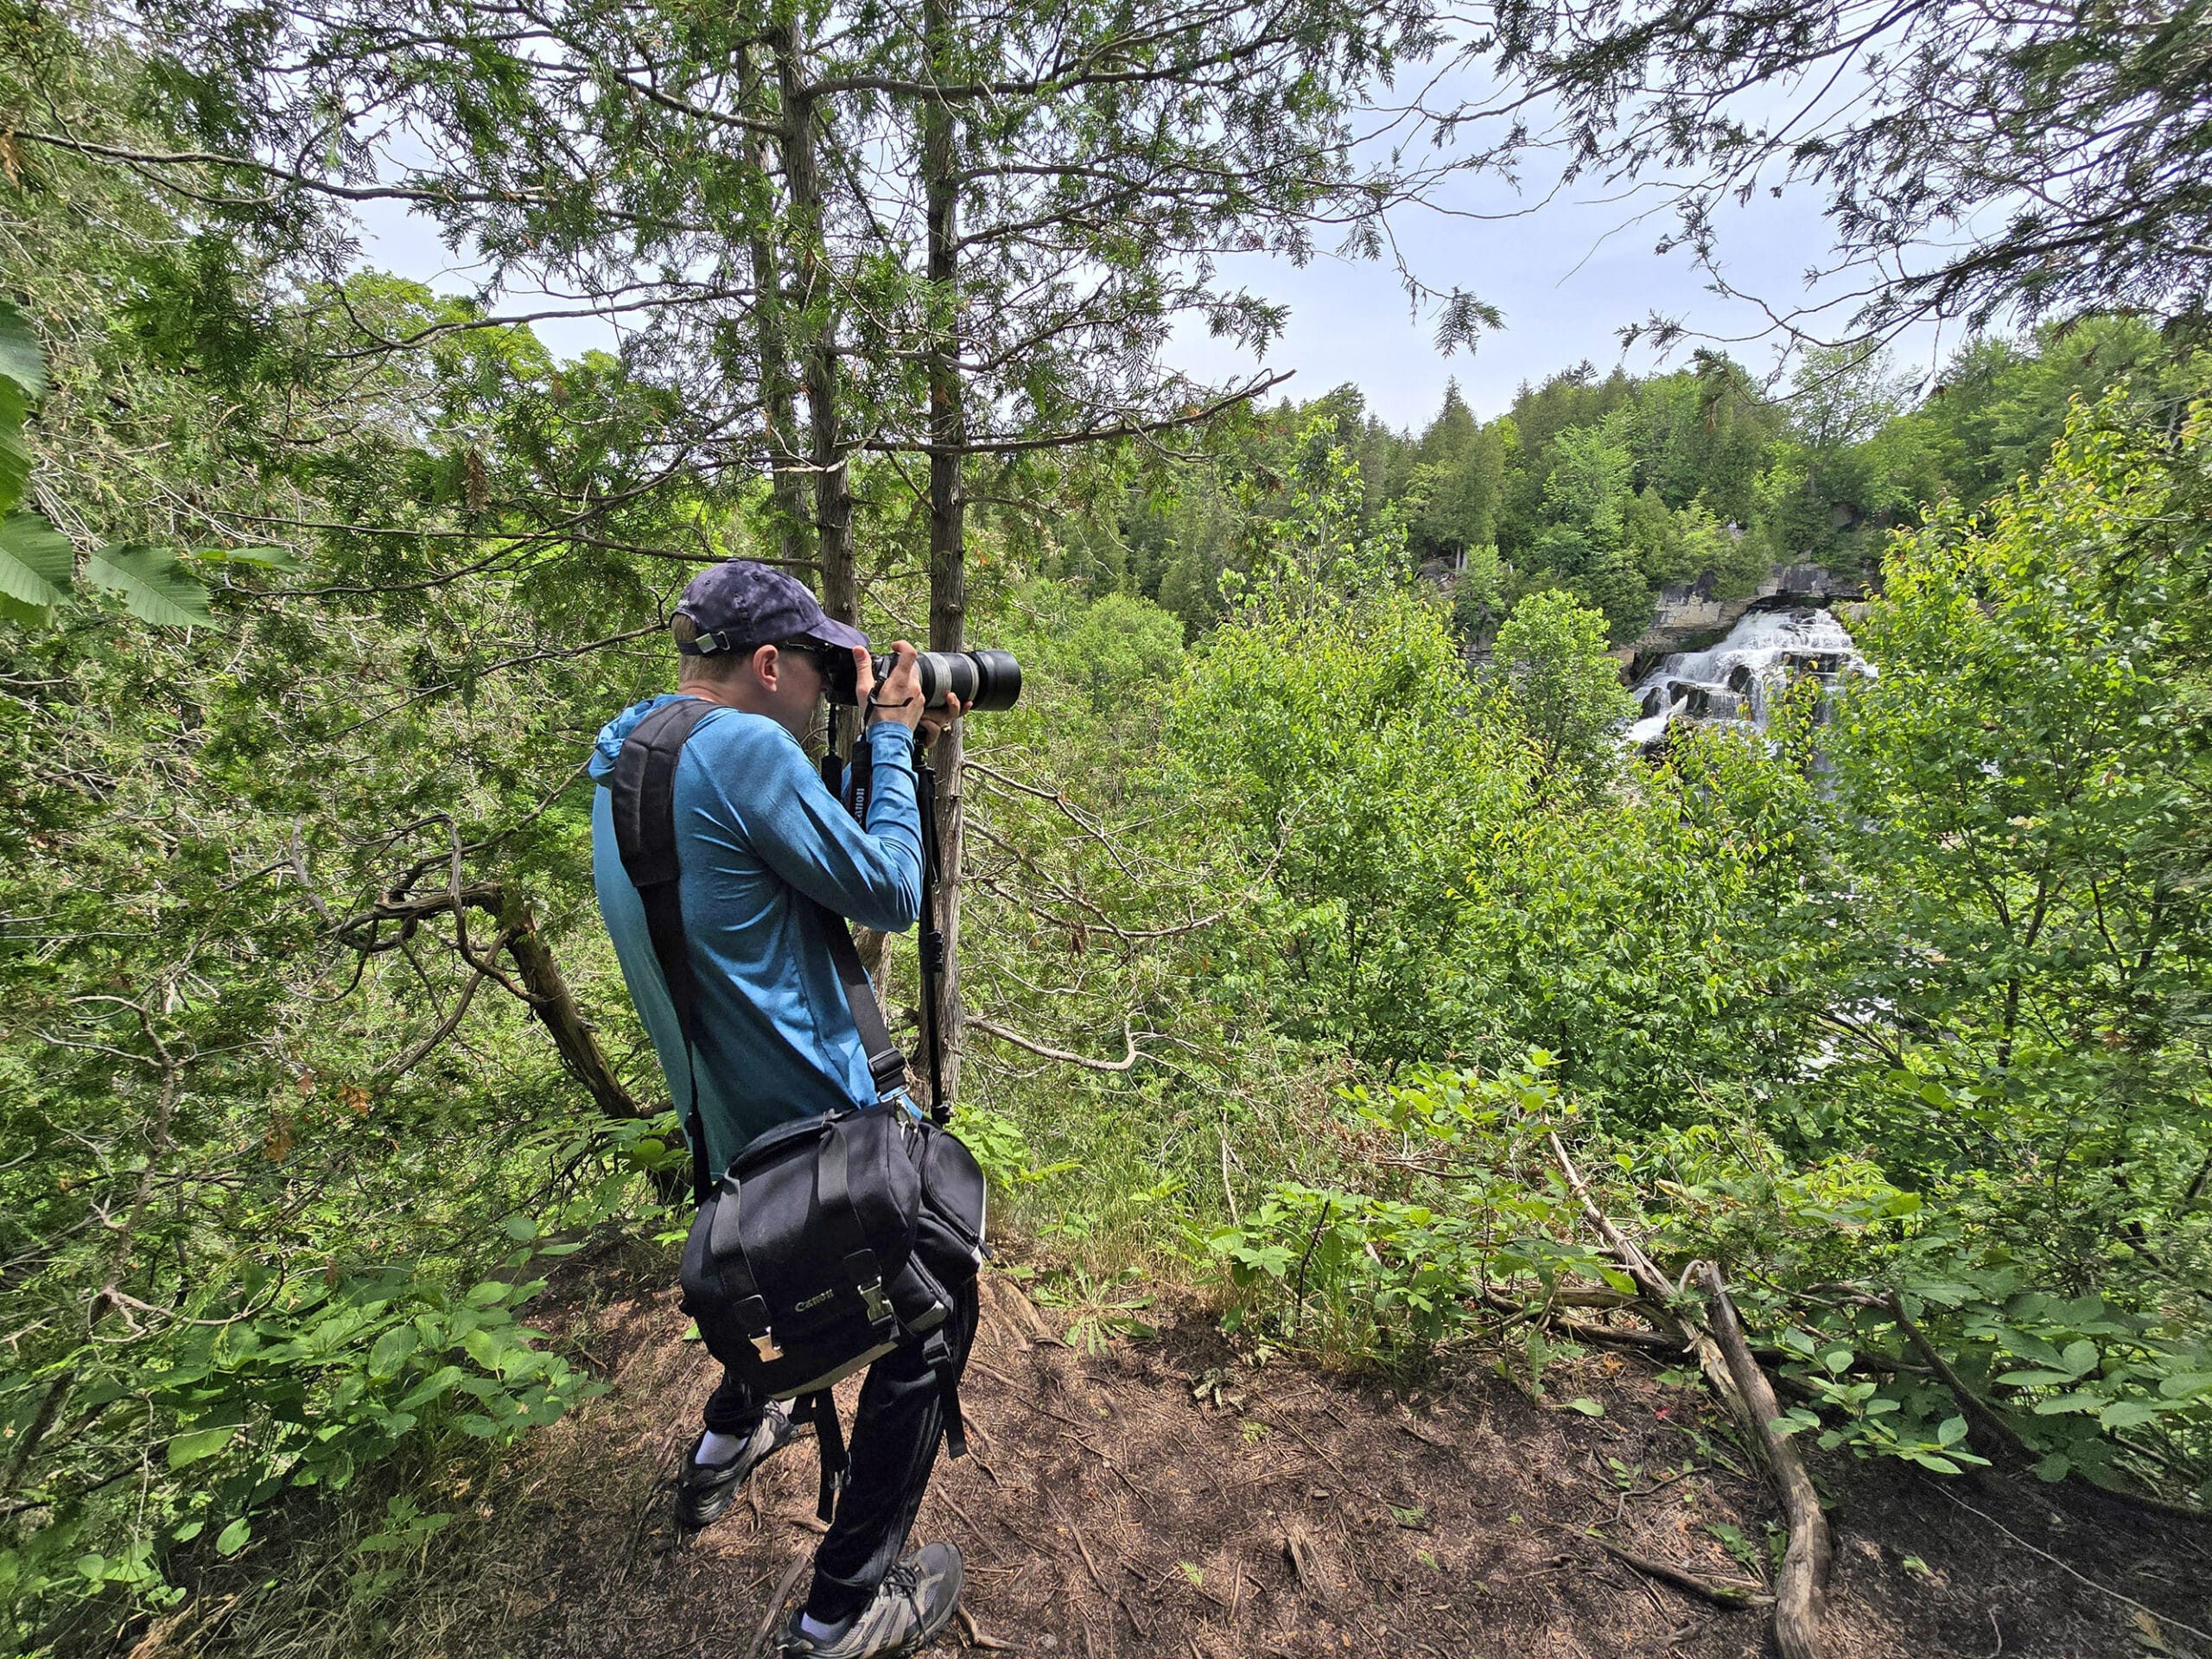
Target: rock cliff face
(1690, 617)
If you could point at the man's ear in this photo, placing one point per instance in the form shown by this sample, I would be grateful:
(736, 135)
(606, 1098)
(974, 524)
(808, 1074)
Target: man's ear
(767, 665)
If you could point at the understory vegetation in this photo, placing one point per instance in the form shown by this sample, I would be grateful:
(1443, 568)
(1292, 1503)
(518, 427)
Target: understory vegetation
(1322, 952)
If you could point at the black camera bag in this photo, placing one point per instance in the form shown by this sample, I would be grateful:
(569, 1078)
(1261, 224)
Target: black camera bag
(830, 1240)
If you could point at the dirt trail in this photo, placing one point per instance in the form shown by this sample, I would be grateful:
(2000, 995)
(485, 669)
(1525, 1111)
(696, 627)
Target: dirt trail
(1106, 1512)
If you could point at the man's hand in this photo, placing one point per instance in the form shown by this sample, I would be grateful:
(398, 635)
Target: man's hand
(899, 697)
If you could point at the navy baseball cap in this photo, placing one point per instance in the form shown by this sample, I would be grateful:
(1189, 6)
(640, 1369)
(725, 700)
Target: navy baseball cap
(738, 604)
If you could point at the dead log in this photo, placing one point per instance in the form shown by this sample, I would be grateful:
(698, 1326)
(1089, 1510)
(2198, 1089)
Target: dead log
(1798, 1587)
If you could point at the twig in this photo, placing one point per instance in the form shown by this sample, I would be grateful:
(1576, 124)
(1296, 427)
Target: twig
(1736, 1598)
(1805, 1562)
(776, 1605)
(2036, 1550)
(974, 1632)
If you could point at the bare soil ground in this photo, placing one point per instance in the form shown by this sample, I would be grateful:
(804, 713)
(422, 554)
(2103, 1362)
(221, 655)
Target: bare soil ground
(1108, 1511)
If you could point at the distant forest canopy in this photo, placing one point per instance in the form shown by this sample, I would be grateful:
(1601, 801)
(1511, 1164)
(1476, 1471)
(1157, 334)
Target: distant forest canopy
(1616, 486)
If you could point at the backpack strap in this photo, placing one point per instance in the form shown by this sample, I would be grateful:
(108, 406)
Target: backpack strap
(643, 788)
(887, 1062)
(939, 1353)
(829, 1441)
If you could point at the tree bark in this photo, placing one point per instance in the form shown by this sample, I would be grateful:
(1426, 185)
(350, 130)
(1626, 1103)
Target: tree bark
(815, 310)
(789, 497)
(1798, 1589)
(556, 1010)
(947, 427)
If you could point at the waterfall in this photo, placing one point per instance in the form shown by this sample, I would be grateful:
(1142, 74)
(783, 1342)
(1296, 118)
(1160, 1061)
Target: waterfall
(1739, 678)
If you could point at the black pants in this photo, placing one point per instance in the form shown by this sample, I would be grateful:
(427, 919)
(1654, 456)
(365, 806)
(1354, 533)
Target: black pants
(894, 1440)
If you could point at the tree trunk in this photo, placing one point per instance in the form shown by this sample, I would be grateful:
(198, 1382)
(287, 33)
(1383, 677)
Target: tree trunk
(948, 429)
(556, 1006)
(790, 508)
(814, 307)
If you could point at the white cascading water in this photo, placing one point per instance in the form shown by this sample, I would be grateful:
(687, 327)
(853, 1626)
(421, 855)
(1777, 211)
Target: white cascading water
(1736, 679)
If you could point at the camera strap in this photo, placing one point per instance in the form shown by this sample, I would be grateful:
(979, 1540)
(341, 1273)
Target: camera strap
(642, 789)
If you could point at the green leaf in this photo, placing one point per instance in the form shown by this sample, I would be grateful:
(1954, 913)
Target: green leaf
(2126, 1413)
(392, 1350)
(35, 561)
(1951, 1431)
(15, 454)
(521, 1228)
(155, 588)
(2079, 1400)
(1584, 1404)
(232, 1538)
(2080, 1358)
(198, 1443)
(2036, 1379)
(2181, 1384)
(269, 558)
(22, 361)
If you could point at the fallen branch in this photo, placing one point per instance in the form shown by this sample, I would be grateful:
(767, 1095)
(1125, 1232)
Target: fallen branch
(1584, 1330)
(1805, 1563)
(992, 1029)
(1655, 1285)
(1734, 1598)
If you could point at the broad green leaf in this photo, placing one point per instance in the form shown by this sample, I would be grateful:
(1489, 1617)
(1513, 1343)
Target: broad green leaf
(2080, 1357)
(1584, 1404)
(198, 1443)
(2079, 1400)
(20, 358)
(2126, 1413)
(431, 1386)
(232, 1538)
(155, 588)
(2036, 1379)
(15, 453)
(36, 560)
(392, 1350)
(2181, 1384)
(1951, 1431)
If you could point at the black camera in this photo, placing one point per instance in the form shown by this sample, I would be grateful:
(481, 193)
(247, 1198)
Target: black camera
(984, 681)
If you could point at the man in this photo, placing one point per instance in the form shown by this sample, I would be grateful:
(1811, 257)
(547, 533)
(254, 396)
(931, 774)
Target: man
(761, 842)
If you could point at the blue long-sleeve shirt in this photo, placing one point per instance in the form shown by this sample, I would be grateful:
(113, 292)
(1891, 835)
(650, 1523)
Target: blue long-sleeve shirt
(755, 828)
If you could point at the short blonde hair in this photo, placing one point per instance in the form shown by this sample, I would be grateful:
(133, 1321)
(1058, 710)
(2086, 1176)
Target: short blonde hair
(716, 668)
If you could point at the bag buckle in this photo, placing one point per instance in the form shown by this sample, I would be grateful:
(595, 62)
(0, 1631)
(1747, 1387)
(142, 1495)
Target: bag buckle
(879, 1308)
(765, 1346)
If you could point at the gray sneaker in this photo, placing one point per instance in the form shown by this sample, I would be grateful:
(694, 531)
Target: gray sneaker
(705, 1491)
(912, 1605)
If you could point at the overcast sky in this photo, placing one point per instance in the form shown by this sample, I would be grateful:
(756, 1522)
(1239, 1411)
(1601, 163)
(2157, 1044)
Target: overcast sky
(1568, 274)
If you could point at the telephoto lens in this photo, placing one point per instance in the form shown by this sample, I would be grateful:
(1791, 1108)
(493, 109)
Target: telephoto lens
(984, 681)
